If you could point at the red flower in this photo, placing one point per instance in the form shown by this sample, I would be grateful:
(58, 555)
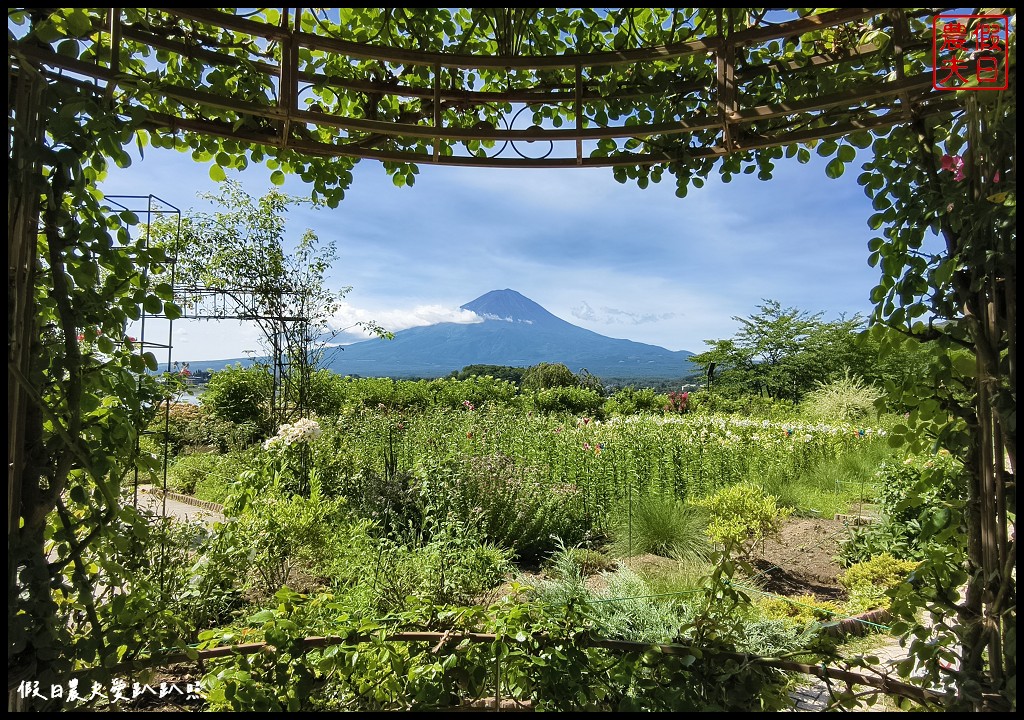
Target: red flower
(955, 165)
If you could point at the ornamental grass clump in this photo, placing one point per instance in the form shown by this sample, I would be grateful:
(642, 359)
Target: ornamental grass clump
(660, 525)
(847, 399)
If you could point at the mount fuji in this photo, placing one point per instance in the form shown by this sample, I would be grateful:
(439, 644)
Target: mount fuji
(514, 331)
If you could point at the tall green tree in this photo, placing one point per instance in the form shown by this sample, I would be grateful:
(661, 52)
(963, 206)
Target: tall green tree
(548, 375)
(780, 352)
(241, 251)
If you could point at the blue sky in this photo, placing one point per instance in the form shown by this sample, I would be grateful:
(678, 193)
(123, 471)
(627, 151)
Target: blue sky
(621, 261)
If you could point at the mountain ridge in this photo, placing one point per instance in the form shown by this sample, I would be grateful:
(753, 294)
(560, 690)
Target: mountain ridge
(513, 331)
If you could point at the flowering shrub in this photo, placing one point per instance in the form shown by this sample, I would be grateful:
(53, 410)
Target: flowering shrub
(303, 430)
(678, 402)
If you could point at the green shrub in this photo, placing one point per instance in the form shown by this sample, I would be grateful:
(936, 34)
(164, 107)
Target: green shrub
(866, 541)
(392, 501)
(803, 610)
(476, 391)
(545, 376)
(512, 505)
(848, 399)
(191, 428)
(241, 395)
(660, 525)
(629, 401)
(325, 393)
(207, 476)
(882, 571)
(742, 515)
(199, 573)
(918, 482)
(453, 567)
(920, 491)
(288, 538)
(185, 473)
(574, 400)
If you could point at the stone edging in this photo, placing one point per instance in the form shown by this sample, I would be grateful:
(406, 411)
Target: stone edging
(856, 625)
(188, 500)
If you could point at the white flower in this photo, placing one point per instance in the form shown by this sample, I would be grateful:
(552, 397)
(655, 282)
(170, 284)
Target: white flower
(302, 430)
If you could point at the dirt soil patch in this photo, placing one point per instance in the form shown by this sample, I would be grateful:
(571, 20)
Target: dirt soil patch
(802, 559)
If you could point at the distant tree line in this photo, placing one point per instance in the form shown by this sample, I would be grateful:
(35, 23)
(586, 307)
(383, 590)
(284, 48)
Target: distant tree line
(784, 353)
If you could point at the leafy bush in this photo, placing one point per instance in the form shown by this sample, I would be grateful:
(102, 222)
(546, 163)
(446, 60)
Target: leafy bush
(742, 515)
(630, 401)
(510, 503)
(918, 482)
(287, 538)
(325, 393)
(476, 390)
(241, 395)
(392, 501)
(198, 571)
(661, 525)
(574, 400)
(917, 496)
(187, 473)
(866, 541)
(453, 567)
(193, 428)
(869, 581)
(803, 610)
(848, 399)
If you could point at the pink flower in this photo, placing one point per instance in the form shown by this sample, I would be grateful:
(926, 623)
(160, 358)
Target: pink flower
(955, 165)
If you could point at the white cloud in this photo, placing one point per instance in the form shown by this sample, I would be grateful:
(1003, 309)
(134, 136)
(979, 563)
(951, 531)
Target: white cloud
(611, 316)
(394, 319)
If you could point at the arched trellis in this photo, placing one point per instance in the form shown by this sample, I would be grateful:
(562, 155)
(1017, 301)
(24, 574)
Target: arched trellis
(289, 85)
(712, 89)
